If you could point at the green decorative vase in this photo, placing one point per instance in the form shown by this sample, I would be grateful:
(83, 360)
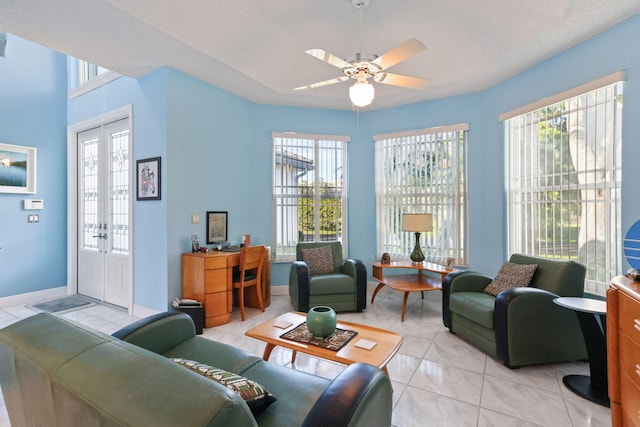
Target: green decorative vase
(321, 321)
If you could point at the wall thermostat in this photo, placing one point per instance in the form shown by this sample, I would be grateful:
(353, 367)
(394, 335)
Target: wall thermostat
(33, 204)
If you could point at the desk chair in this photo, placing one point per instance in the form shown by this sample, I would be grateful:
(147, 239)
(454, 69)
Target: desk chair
(249, 274)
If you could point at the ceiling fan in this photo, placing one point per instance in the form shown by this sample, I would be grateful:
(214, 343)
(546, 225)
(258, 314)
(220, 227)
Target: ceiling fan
(361, 69)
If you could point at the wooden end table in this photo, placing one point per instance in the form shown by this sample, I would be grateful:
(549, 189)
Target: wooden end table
(387, 342)
(416, 282)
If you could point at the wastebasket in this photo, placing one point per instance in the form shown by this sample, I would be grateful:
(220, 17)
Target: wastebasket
(196, 313)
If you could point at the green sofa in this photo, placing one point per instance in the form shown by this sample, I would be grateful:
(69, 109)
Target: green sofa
(57, 373)
(344, 289)
(521, 326)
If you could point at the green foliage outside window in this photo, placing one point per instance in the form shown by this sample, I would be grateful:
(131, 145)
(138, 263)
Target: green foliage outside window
(330, 212)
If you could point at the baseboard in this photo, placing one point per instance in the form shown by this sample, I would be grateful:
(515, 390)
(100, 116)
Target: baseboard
(141, 311)
(33, 297)
(280, 290)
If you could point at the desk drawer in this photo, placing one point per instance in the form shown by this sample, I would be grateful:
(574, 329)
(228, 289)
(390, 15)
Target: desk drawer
(217, 304)
(213, 262)
(630, 357)
(215, 281)
(629, 316)
(630, 402)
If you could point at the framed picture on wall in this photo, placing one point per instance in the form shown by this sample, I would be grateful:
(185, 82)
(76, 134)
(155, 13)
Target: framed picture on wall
(216, 227)
(148, 179)
(17, 169)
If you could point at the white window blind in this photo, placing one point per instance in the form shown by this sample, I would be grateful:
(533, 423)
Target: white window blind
(563, 171)
(310, 191)
(422, 172)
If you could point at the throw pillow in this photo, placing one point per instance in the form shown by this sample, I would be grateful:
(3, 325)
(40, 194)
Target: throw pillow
(511, 275)
(256, 396)
(319, 260)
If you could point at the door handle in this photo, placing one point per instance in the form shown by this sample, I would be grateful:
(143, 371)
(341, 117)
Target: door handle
(101, 236)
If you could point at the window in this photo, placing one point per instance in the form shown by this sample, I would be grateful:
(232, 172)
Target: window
(422, 172)
(564, 180)
(89, 77)
(310, 192)
(89, 71)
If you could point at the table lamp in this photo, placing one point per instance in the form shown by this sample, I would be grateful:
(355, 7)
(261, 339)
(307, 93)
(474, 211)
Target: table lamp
(417, 223)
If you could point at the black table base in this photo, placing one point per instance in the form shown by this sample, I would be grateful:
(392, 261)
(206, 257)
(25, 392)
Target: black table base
(593, 387)
(581, 385)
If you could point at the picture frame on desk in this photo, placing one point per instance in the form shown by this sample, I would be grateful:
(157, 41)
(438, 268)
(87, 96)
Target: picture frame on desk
(216, 227)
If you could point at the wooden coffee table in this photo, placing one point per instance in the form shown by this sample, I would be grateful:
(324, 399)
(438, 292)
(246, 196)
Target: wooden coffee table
(387, 342)
(415, 282)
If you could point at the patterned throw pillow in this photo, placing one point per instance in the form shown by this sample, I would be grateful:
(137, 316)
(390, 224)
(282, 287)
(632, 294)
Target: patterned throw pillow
(511, 275)
(256, 396)
(319, 260)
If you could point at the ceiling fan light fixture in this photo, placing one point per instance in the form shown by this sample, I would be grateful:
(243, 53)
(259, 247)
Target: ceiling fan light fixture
(361, 93)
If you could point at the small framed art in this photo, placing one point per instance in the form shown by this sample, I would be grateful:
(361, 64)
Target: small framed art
(17, 169)
(148, 179)
(195, 246)
(216, 227)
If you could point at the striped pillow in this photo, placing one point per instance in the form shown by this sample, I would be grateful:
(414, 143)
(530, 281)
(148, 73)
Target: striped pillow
(256, 396)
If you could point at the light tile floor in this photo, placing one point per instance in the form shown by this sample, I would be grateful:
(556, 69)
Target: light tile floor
(438, 379)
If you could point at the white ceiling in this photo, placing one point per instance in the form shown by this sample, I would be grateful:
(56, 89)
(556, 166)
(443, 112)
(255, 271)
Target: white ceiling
(256, 48)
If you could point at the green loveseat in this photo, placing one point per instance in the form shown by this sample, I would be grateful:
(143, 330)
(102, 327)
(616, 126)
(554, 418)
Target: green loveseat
(57, 373)
(344, 289)
(521, 326)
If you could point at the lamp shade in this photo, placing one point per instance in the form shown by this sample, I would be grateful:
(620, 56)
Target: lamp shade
(361, 93)
(417, 222)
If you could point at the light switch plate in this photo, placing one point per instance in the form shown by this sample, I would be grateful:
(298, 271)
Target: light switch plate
(33, 204)
(195, 218)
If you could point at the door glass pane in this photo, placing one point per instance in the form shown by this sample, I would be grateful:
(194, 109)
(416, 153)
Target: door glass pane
(119, 200)
(90, 194)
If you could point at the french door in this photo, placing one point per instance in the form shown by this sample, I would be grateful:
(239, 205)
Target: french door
(104, 213)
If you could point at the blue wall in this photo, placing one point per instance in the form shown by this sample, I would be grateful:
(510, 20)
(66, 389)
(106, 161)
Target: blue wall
(216, 150)
(33, 94)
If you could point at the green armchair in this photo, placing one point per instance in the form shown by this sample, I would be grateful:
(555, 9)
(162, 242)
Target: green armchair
(520, 326)
(343, 287)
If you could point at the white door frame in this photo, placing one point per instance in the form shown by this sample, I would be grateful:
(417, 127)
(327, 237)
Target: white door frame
(125, 112)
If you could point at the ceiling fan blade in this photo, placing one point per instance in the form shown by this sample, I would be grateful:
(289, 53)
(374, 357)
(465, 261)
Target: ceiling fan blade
(325, 56)
(401, 80)
(324, 83)
(399, 53)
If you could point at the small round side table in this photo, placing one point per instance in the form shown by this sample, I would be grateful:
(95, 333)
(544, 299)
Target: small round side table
(592, 317)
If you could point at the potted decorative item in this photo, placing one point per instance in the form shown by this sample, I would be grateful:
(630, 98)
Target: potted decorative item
(321, 321)
(633, 274)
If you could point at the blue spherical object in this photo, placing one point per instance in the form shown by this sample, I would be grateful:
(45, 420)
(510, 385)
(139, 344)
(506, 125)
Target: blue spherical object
(631, 245)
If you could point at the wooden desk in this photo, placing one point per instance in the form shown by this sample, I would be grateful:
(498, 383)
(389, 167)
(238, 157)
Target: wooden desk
(409, 282)
(387, 342)
(208, 277)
